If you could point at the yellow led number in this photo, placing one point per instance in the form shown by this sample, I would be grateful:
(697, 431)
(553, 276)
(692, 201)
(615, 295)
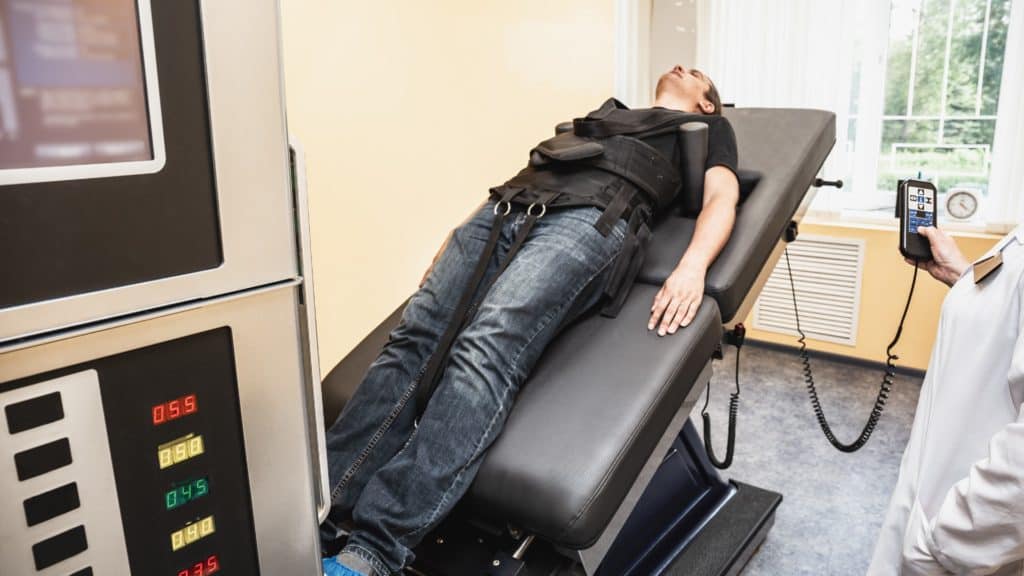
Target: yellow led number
(191, 533)
(179, 450)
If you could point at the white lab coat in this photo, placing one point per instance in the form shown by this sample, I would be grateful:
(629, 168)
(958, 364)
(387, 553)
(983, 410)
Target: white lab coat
(958, 507)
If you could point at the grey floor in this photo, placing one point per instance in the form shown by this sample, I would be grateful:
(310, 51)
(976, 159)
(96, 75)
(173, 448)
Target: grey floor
(833, 502)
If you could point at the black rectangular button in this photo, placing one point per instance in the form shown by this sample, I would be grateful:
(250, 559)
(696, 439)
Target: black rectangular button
(33, 413)
(49, 505)
(59, 548)
(43, 459)
(87, 571)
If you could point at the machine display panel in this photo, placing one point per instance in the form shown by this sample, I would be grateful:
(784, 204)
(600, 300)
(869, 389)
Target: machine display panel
(78, 90)
(181, 485)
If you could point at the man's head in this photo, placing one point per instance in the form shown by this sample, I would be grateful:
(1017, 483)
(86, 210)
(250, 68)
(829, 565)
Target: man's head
(687, 90)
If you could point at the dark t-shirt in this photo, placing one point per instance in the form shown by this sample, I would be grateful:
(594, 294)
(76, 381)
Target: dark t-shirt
(659, 131)
(721, 142)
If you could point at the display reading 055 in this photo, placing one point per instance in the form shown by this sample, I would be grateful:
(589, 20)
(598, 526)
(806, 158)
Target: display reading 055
(174, 409)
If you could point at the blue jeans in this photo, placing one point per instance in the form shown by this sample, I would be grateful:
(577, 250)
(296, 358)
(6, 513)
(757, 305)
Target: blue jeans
(397, 481)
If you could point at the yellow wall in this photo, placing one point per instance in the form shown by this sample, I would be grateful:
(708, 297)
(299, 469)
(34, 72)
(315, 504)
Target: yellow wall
(409, 111)
(884, 287)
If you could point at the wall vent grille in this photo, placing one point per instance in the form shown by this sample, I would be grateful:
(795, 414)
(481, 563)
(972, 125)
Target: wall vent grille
(827, 273)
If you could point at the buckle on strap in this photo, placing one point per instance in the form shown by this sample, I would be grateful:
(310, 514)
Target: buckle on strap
(508, 207)
(543, 211)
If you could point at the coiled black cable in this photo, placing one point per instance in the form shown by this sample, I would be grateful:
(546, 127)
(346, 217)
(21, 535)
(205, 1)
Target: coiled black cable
(883, 392)
(734, 408)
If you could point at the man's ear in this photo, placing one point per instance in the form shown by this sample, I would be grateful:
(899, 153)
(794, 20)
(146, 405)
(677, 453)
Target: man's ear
(706, 107)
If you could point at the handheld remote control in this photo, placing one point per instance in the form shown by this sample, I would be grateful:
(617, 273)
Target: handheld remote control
(915, 206)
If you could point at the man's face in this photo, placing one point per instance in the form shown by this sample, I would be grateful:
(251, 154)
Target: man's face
(688, 86)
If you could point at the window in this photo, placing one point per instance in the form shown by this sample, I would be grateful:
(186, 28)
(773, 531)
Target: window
(917, 85)
(943, 70)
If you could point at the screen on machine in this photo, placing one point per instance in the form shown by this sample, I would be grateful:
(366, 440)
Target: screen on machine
(74, 102)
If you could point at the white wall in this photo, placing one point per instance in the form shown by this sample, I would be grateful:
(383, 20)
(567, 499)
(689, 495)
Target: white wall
(409, 111)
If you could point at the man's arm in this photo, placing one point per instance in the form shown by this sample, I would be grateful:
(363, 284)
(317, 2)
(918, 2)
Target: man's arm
(678, 300)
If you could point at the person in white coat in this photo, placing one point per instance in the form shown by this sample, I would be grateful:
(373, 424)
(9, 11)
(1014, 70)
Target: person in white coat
(958, 506)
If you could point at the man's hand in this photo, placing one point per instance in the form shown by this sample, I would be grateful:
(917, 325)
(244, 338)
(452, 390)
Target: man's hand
(948, 263)
(678, 300)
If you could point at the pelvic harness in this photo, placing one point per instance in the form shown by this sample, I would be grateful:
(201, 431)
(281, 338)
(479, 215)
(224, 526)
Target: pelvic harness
(601, 161)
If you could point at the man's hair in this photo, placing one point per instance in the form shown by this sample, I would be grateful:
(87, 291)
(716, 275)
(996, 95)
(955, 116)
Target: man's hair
(713, 97)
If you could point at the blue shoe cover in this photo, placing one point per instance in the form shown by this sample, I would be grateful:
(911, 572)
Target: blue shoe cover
(334, 568)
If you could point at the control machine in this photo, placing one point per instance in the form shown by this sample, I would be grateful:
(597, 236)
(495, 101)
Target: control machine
(160, 408)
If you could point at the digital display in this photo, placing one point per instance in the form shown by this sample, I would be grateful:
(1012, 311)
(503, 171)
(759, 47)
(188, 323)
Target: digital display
(920, 207)
(179, 450)
(72, 86)
(192, 533)
(210, 566)
(174, 409)
(187, 492)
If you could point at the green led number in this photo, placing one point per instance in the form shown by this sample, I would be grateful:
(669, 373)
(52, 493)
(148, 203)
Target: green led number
(186, 493)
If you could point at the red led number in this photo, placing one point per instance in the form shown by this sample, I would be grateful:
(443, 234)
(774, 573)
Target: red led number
(175, 409)
(210, 566)
(159, 414)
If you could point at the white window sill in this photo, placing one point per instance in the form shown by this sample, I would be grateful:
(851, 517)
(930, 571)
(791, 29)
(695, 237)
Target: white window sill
(878, 221)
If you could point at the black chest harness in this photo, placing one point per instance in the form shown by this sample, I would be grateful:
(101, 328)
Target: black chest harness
(601, 161)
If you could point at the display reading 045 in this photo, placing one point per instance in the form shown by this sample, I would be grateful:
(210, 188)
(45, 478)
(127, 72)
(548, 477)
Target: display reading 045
(187, 492)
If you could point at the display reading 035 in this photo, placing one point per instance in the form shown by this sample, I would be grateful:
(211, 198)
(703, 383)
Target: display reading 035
(210, 566)
(187, 492)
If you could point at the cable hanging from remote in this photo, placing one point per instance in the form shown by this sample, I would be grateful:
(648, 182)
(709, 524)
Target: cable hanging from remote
(884, 389)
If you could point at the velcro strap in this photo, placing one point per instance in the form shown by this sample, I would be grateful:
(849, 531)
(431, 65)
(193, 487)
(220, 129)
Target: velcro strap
(566, 147)
(643, 166)
(616, 208)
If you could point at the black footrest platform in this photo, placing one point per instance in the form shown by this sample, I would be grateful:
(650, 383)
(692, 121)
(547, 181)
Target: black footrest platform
(728, 541)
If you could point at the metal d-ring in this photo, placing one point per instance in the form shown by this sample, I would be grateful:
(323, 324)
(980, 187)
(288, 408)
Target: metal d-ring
(508, 208)
(543, 210)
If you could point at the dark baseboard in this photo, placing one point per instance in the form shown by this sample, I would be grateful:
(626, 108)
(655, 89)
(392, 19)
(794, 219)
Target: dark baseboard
(794, 350)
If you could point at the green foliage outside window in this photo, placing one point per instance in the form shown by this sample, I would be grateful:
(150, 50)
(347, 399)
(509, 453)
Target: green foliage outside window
(967, 120)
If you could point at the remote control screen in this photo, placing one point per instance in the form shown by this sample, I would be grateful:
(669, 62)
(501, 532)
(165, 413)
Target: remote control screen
(920, 208)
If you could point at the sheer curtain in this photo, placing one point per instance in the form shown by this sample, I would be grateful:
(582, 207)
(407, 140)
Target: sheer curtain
(831, 54)
(1006, 183)
(826, 54)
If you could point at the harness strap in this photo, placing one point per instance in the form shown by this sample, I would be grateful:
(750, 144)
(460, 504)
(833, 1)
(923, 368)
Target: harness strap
(467, 308)
(607, 121)
(616, 208)
(643, 166)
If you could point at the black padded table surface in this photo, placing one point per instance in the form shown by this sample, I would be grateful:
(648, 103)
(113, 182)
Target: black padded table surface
(787, 147)
(585, 423)
(606, 389)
